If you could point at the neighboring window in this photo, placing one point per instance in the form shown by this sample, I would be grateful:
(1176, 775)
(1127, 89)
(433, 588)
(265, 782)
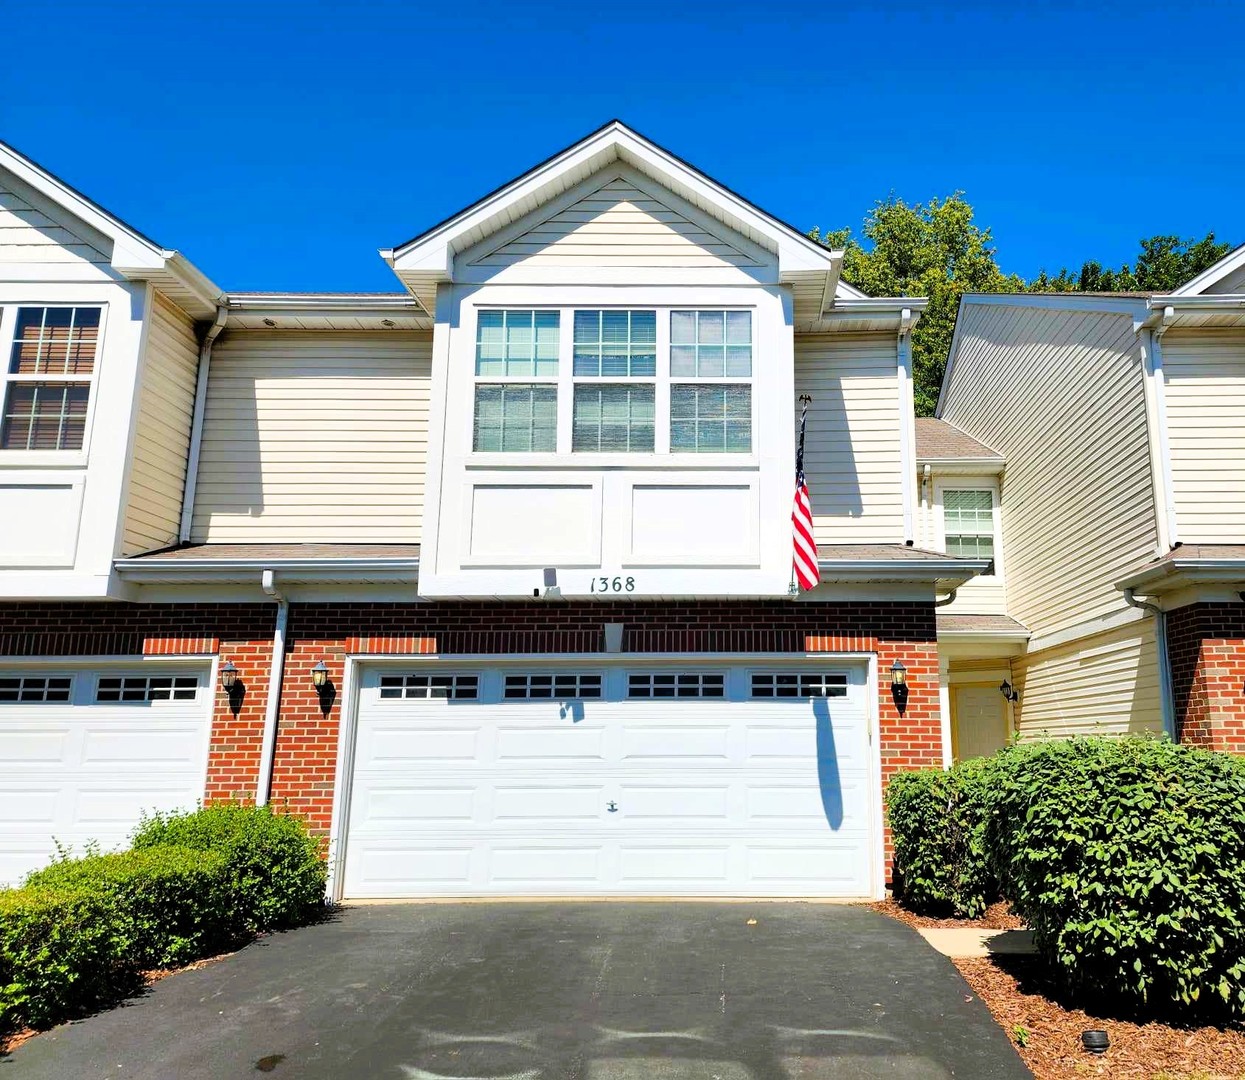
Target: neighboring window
(803, 684)
(455, 687)
(682, 685)
(34, 688)
(613, 418)
(968, 522)
(559, 687)
(144, 688)
(518, 417)
(49, 378)
(616, 343)
(517, 343)
(710, 417)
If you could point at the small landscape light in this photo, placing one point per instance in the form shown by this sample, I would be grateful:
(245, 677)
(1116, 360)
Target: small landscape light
(1095, 1041)
(319, 675)
(228, 676)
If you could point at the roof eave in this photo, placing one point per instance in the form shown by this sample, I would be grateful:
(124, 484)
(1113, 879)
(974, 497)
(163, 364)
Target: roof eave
(153, 571)
(948, 573)
(1177, 573)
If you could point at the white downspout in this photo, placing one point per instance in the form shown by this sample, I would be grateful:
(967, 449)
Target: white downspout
(276, 671)
(196, 423)
(907, 425)
(1167, 700)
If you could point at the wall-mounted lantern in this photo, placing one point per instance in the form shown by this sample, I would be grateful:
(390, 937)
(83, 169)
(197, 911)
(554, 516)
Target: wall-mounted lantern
(320, 675)
(235, 689)
(325, 690)
(899, 685)
(1009, 692)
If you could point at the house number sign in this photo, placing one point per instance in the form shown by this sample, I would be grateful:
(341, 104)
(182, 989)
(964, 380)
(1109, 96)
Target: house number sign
(611, 584)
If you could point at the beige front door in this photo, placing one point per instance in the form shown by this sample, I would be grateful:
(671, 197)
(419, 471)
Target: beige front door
(981, 721)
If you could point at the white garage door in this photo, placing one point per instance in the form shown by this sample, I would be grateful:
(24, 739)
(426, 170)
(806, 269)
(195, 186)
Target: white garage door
(565, 780)
(85, 752)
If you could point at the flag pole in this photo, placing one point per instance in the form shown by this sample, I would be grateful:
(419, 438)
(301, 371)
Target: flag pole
(805, 400)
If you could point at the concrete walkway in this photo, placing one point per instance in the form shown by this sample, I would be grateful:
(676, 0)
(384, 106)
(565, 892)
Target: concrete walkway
(607, 991)
(965, 942)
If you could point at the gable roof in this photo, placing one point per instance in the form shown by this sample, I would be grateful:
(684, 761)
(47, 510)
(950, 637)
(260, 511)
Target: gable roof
(429, 259)
(1207, 280)
(133, 256)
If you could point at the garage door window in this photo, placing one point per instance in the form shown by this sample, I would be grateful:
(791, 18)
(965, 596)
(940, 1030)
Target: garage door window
(146, 688)
(440, 687)
(558, 687)
(34, 688)
(682, 685)
(798, 684)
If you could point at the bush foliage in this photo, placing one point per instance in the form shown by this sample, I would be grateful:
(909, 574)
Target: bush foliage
(78, 934)
(1125, 856)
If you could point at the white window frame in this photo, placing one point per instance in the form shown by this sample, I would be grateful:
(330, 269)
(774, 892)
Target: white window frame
(967, 483)
(8, 330)
(566, 380)
(615, 380)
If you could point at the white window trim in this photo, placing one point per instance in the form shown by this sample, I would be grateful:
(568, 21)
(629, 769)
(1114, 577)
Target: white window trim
(565, 381)
(8, 328)
(972, 484)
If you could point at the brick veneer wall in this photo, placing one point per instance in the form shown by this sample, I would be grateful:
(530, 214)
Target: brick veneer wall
(306, 752)
(1206, 643)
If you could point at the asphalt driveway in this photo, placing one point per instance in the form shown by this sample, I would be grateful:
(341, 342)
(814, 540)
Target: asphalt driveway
(600, 991)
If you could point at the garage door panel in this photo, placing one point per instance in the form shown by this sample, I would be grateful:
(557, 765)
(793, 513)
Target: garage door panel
(554, 804)
(28, 746)
(403, 868)
(653, 866)
(382, 805)
(819, 866)
(399, 744)
(542, 866)
(843, 808)
(674, 802)
(657, 742)
(516, 742)
(142, 747)
(25, 807)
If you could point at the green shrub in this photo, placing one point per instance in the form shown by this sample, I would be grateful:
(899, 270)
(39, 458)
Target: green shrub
(63, 953)
(937, 820)
(174, 902)
(1127, 858)
(275, 873)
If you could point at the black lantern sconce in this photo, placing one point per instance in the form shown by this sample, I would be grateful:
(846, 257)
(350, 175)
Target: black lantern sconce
(325, 690)
(899, 685)
(235, 689)
(1009, 692)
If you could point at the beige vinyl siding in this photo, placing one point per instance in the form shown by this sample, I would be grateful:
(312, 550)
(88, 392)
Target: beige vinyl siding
(29, 236)
(851, 455)
(1233, 283)
(621, 225)
(1205, 388)
(1107, 684)
(1060, 393)
(315, 438)
(162, 431)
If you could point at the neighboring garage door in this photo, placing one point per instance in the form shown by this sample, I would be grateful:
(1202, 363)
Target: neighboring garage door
(566, 780)
(86, 752)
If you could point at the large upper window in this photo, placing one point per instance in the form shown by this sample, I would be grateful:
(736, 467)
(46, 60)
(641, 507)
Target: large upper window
(48, 381)
(710, 344)
(516, 417)
(710, 415)
(516, 394)
(616, 343)
(521, 343)
(608, 414)
(968, 522)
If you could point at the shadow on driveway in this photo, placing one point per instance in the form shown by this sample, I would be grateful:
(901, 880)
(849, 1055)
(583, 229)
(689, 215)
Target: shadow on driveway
(542, 991)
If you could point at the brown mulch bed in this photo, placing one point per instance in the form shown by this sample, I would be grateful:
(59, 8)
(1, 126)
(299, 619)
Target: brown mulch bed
(1019, 995)
(997, 917)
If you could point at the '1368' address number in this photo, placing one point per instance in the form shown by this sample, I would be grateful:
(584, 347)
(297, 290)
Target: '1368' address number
(611, 584)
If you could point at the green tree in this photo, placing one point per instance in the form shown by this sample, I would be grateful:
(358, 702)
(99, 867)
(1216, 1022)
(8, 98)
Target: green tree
(932, 249)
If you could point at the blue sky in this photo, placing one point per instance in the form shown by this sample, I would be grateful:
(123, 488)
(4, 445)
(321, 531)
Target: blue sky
(280, 144)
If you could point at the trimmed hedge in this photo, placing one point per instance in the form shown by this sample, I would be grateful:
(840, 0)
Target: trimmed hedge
(937, 820)
(78, 935)
(276, 874)
(1127, 858)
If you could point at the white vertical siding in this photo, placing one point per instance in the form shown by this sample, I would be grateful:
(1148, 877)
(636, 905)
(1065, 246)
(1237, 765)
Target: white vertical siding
(1107, 684)
(1205, 381)
(315, 438)
(1061, 394)
(620, 225)
(852, 457)
(162, 434)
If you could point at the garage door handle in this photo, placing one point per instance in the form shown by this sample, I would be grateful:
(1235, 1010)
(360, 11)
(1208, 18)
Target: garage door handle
(612, 807)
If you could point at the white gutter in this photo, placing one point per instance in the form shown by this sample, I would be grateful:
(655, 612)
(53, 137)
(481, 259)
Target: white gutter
(1167, 700)
(154, 568)
(276, 672)
(196, 424)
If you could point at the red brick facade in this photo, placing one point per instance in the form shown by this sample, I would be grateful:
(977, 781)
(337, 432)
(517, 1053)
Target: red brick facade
(1206, 643)
(306, 753)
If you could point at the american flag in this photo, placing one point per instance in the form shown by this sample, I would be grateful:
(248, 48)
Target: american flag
(804, 547)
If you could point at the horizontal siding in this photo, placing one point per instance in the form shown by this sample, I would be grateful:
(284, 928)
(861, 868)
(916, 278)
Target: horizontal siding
(1205, 383)
(1233, 283)
(1061, 394)
(315, 438)
(851, 454)
(620, 225)
(29, 236)
(162, 433)
(1107, 684)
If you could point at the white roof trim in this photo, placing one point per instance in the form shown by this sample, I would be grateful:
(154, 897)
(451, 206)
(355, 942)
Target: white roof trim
(1229, 264)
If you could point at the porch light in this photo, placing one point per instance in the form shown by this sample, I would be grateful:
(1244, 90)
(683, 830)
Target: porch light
(899, 685)
(319, 675)
(228, 676)
(1009, 692)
